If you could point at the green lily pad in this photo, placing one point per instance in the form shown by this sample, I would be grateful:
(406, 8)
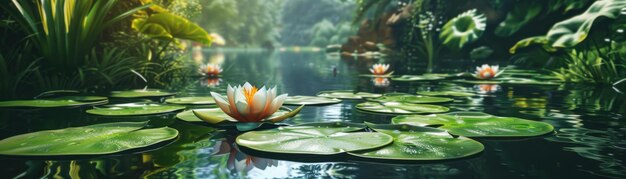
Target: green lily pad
(477, 124)
(446, 93)
(347, 94)
(419, 78)
(191, 100)
(407, 98)
(401, 108)
(310, 100)
(67, 101)
(523, 81)
(479, 82)
(377, 76)
(140, 94)
(87, 140)
(421, 144)
(312, 140)
(133, 109)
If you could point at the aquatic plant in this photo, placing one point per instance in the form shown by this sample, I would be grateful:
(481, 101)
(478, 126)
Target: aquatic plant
(247, 103)
(486, 72)
(600, 66)
(464, 28)
(210, 69)
(379, 69)
(65, 31)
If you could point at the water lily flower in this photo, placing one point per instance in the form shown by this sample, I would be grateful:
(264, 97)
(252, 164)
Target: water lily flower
(248, 103)
(379, 69)
(210, 69)
(381, 82)
(486, 72)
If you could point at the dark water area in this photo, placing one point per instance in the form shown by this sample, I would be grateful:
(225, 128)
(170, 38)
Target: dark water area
(588, 142)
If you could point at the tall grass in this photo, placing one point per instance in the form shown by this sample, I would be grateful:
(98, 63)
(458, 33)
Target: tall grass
(65, 31)
(593, 66)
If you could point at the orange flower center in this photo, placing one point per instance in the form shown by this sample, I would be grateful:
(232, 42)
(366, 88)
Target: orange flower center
(487, 73)
(249, 94)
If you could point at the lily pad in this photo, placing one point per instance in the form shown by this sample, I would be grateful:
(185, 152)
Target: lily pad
(87, 140)
(446, 93)
(347, 94)
(377, 76)
(421, 144)
(217, 113)
(477, 124)
(140, 93)
(133, 109)
(407, 98)
(478, 81)
(523, 81)
(191, 100)
(313, 140)
(401, 108)
(310, 100)
(67, 101)
(418, 78)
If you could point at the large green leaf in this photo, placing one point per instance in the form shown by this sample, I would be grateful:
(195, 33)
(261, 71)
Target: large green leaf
(347, 94)
(133, 109)
(170, 26)
(147, 93)
(421, 143)
(191, 100)
(477, 124)
(446, 93)
(424, 77)
(313, 140)
(570, 32)
(536, 40)
(466, 27)
(87, 140)
(521, 14)
(310, 100)
(406, 98)
(66, 101)
(401, 108)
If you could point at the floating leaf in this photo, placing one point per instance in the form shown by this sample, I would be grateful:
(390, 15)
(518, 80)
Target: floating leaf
(570, 32)
(419, 78)
(170, 26)
(67, 101)
(477, 81)
(406, 98)
(216, 113)
(133, 109)
(313, 140)
(477, 124)
(446, 93)
(310, 100)
(191, 100)
(536, 40)
(421, 143)
(466, 27)
(523, 81)
(401, 108)
(347, 94)
(140, 94)
(87, 140)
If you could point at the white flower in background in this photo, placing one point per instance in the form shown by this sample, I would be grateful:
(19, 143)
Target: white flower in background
(486, 72)
(210, 69)
(249, 104)
(379, 69)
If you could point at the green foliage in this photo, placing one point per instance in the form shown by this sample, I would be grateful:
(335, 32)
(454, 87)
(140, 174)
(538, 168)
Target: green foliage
(464, 28)
(602, 66)
(325, 33)
(518, 17)
(570, 32)
(298, 18)
(66, 30)
(169, 26)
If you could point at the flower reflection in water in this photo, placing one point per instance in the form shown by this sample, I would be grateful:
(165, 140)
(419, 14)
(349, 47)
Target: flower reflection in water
(381, 82)
(240, 161)
(487, 88)
(210, 82)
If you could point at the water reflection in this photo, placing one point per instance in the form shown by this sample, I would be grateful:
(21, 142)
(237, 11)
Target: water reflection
(239, 161)
(381, 82)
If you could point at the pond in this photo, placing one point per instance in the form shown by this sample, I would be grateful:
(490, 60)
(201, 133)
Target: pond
(588, 142)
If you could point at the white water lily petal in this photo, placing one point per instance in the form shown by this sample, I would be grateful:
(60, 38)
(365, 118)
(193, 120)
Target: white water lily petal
(278, 102)
(221, 102)
(243, 108)
(259, 101)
